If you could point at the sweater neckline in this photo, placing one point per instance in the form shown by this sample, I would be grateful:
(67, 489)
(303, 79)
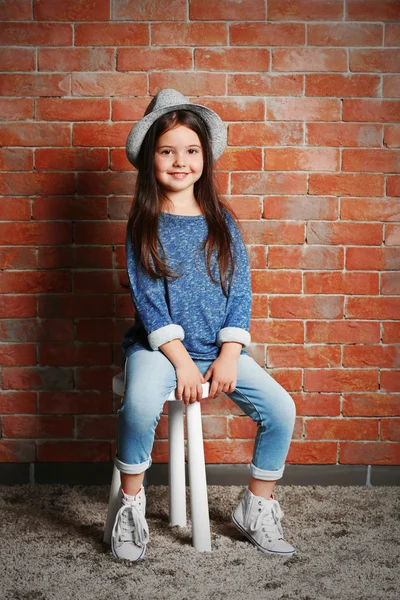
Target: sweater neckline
(174, 216)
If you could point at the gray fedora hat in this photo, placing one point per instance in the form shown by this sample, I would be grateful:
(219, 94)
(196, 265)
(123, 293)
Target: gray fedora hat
(166, 101)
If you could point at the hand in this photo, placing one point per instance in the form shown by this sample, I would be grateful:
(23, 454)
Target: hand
(189, 383)
(224, 372)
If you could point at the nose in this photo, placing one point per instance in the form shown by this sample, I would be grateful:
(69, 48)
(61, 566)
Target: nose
(179, 160)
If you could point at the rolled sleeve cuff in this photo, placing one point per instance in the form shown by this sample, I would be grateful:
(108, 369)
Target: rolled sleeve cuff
(233, 334)
(165, 334)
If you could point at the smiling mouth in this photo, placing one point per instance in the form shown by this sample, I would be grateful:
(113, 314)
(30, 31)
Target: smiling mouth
(179, 175)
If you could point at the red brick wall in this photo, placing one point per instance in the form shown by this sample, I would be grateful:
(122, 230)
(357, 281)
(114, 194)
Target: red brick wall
(310, 94)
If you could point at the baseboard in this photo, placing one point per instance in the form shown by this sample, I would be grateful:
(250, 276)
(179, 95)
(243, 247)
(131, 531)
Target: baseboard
(100, 474)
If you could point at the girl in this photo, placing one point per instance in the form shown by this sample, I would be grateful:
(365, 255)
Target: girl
(189, 279)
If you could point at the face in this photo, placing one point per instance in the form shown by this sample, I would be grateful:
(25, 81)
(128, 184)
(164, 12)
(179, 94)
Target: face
(178, 159)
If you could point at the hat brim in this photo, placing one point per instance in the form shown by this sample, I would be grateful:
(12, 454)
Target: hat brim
(214, 123)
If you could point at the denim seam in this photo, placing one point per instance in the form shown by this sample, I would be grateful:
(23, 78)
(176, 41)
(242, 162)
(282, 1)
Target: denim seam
(257, 411)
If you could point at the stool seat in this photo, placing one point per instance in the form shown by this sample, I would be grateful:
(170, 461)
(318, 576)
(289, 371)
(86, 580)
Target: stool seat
(201, 536)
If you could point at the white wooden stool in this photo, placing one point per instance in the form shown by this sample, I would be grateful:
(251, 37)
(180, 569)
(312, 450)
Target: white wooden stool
(201, 537)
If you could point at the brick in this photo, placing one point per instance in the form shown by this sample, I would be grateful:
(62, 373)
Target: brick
(35, 282)
(376, 356)
(271, 232)
(231, 59)
(39, 84)
(276, 282)
(67, 207)
(17, 109)
(38, 427)
(236, 109)
(15, 159)
(31, 330)
(189, 83)
(17, 403)
(390, 429)
(109, 84)
(391, 88)
(304, 356)
(96, 427)
(346, 184)
(269, 183)
(302, 159)
(94, 378)
(385, 161)
(392, 34)
(75, 256)
(299, 207)
(343, 332)
(35, 134)
(259, 306)
(377, 259)
(309, 404)
(302, 10)
(111, 34)
(60, 109)
(15, 355)
(22, 184)
(17, 59)
(265, 134)
(306, 307)
(100, 233)
(342, 429)
(373, 308)
(100, 330)
(393, 185)
(320, 453)
(309, 59)
(100, 134)
(369, 453)
(76, 59)
(369, 209)
(73, 451)
(74, 355)
(75, 10)
(37, 378)
(391, 333)
(72, 159)
(289, 379)
(392, 235)
(144, 59)
(305, 257)
(32, 234)
(228, 451)
(276, 331)
(390, 283)
(17, 10)
(341, 283)
(75, 402)
(321, 84)
(36, 34)
(345, 34)
(390, 381)
(340, 380)
(391, 137)
(337, 233)
(128, 109)
(370, 10)
(98, 282)
(189, 34)
(303, 109)
(17, 452)
(267, 34)
(265, 84)
(248, 207)
(99, 184)
(119, 161)
(157, 10)
(242, 428)
(17, 258)
(15, 209)
(257, 257)
(240, 159)
(75, 305)
(15, 307)
(371, 110)
(227, 10)
(343, 134)
(374, 61)
(371, 405)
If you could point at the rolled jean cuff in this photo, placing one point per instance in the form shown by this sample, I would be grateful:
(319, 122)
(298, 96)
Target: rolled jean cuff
(266, 475)
(132, 469)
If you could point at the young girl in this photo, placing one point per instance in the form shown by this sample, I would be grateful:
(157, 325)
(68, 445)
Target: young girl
(190, 284)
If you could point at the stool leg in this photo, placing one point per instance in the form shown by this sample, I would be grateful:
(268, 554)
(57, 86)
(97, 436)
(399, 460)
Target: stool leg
(114, 502)
(197, 480)
(176, 464)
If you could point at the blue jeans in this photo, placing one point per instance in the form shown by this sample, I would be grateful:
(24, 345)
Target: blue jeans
(150, 377)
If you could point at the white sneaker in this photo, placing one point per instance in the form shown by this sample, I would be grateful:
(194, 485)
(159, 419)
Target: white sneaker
(130, 532)
(260, 521)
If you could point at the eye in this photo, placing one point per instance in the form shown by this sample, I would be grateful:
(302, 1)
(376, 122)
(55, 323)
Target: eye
(194, 150)
(165, 151)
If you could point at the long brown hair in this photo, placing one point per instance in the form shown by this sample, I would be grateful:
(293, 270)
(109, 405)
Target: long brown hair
(149, 199)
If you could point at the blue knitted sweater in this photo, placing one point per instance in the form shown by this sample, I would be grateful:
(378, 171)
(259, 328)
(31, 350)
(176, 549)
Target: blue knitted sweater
(191, 308)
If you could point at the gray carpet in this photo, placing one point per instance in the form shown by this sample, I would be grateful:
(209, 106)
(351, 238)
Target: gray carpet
(347, 540)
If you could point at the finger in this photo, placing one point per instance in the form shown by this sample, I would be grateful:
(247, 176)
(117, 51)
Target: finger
(179, 391)
(226, 388)
(207, 376)
(199, 392)
(193, 395)
(186, 394)
(213, 389)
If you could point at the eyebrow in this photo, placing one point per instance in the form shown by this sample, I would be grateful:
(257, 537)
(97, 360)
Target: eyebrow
(190, 146)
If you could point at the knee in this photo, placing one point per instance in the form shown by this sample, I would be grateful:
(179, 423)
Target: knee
(138, 414)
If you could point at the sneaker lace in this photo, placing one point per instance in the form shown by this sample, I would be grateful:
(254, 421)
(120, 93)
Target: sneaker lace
(269, 520)
(131, 525)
